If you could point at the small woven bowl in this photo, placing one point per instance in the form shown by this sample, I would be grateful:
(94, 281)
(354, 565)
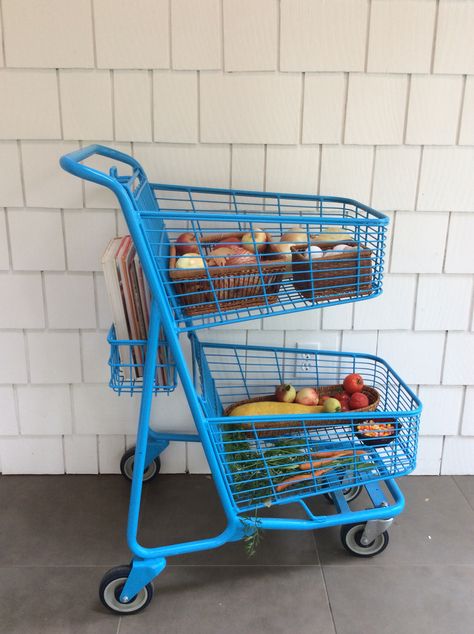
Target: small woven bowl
(378, 441)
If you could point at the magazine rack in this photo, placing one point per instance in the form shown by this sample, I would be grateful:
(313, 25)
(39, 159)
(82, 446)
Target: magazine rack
(288, 268)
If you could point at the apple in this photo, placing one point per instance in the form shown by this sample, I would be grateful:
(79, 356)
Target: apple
(254, 240)
(343, 398)
(190, 261)
(353, 383)
(186, 243)
(307, 396)
(358, 401)
(285, 393)
(331, 405)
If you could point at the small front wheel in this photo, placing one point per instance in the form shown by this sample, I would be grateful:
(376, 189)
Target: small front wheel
(350, 494)
(128, 460)
(351, 535)
(111, 586)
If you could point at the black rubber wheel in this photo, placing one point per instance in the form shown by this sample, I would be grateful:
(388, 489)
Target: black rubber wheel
(126, 466)
(111, 587)
(350, 494)
(350, 538)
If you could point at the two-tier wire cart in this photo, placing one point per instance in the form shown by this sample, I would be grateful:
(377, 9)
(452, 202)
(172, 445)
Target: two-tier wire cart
(300, 253)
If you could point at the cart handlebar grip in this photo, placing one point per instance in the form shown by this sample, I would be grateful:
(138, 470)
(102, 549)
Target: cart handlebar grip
(72, 163)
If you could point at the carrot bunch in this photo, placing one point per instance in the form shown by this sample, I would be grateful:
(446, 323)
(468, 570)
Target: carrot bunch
(324, 461)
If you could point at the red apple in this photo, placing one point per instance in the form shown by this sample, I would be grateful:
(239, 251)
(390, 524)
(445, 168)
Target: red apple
(358, 401)
(353, 383)
(343, 398)
(186, 243)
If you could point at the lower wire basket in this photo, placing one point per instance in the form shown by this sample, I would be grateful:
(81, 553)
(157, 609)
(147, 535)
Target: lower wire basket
(276, 459)
(306, 460)
(127, 360)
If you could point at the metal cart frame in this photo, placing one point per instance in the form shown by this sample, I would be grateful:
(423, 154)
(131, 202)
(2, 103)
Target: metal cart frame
(128, 590)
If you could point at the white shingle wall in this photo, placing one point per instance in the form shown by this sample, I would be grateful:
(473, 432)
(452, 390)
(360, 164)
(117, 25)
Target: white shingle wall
(371, 99)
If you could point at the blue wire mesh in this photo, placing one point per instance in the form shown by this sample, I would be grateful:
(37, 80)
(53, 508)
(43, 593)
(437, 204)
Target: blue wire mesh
(127, 360)
(276, 276)
(257, 455)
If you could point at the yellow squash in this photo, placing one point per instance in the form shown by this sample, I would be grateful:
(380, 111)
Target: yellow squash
(274, 408)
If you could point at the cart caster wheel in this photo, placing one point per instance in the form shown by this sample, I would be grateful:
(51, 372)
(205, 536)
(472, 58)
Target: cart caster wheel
(111, 587)
(350, 538)
(351, 493)
(126, 466)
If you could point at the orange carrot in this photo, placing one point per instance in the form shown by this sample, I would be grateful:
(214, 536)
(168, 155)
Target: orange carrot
(297, 478)
(332, 454)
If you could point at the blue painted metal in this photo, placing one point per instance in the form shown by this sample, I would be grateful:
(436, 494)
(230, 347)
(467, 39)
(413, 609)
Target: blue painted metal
(155, 215)
(143, 572)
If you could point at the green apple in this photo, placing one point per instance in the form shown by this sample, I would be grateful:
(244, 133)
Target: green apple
(285, 393)
(331, 405)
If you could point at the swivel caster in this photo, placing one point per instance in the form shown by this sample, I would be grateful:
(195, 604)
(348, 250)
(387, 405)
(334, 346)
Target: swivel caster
(127, 462)
(111, 586)
(354, 541)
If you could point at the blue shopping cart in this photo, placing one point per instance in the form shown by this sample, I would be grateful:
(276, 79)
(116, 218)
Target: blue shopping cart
(221, 256)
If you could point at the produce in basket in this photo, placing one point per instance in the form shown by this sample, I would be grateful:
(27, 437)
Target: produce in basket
(353, 383)
(378, 432)
(190, 261)
(307, 396)
(358, 401)
(288, 240)
(373, 430)
(186, 243)
(286, 393)
(331, 405)
(332, 234)
(232, 255)
(274, 408)
(313, 252)
(255, 241)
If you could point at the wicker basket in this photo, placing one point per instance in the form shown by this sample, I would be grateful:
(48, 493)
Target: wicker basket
(342, 275)
(274, 429)
(221, 288)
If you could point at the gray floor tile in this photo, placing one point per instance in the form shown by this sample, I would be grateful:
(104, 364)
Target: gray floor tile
(436, 527)
(412, 599)
(53, 601)
(236, 600)
(180, 508)
(466, 484)
(63, 520)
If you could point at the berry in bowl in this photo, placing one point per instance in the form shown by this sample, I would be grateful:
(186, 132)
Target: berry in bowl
(377, 432)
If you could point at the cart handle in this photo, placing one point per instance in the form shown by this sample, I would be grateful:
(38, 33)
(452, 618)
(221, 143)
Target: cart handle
(72, 163)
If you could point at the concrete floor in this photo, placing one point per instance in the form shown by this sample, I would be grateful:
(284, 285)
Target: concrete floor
(59, 534)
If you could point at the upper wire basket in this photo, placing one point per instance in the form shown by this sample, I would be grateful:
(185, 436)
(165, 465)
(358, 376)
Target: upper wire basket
(276, 459)
(227, 256)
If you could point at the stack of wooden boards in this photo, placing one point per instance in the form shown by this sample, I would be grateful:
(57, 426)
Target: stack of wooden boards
(130, 301)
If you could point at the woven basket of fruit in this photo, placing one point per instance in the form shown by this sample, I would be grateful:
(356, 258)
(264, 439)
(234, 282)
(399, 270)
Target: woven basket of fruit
(225, 272)
(332, 270)
(324, 400)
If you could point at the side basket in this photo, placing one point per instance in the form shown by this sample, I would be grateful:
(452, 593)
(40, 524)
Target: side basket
(127, 360)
